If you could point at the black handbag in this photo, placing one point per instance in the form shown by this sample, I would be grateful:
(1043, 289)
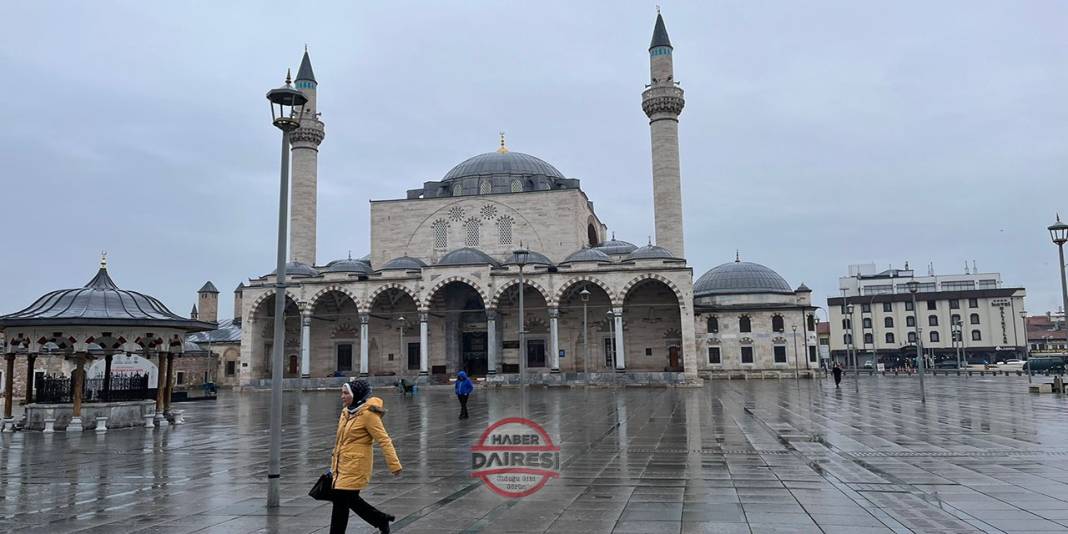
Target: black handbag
(323, 488)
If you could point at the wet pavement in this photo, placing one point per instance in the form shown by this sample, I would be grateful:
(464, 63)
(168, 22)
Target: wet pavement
(734, 456)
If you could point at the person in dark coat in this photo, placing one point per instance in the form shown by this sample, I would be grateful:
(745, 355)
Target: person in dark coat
(464, 387)
(837, 371)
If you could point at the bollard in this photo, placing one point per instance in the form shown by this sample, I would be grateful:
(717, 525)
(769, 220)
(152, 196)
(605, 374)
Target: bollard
(101, 425)
(75, 425)
(49, 423)
(150, 420)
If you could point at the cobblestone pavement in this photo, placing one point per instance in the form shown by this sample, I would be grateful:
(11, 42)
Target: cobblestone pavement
(739, 456)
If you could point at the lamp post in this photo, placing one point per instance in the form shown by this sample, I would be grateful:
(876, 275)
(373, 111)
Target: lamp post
(585, 296)
(958, 341)
(797, 364)
(853, 342)
(1058, 232)
(287, 108)
(1027, 346)
(520, 256)
(914, 287)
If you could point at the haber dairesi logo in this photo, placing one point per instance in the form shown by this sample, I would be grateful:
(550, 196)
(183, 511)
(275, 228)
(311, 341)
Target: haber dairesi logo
(515, 457)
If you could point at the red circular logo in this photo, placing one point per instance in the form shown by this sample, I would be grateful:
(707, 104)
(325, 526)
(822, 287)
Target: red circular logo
(515, 457)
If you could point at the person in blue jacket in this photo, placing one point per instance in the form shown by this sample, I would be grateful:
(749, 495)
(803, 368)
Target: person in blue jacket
(464, 387)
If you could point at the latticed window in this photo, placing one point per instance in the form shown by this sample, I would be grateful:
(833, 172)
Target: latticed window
(777, 324)
(517, 186)
(485, 188)
(504, 230)
(457, 190)
(441, 234)
(471, 230)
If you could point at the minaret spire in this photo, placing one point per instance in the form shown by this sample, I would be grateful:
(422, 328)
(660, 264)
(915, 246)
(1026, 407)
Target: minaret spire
(662, 102)
(305, 140)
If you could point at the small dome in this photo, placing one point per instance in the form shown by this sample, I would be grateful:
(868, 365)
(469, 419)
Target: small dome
(347, 266)
(614, 246)
(740, 277)
(651, 252)
(297, 269)
(533, 258)
(403, 263)
(504, 163)
(587, 254)
(467, 256)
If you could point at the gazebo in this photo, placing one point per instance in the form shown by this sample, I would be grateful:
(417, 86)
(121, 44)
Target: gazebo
(96, 322)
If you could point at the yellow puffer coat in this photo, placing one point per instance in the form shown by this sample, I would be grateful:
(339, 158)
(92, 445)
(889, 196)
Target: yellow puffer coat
(353, 458)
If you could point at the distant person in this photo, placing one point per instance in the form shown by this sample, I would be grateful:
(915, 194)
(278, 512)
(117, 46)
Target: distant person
(360, 425)
(464, 387)
(837, 371)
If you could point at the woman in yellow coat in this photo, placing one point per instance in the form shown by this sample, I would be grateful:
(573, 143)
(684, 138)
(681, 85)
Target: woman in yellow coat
(353, 459)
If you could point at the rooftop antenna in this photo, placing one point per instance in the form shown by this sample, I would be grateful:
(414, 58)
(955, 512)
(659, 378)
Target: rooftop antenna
(966, 269)
(975, 270)
(930, 268)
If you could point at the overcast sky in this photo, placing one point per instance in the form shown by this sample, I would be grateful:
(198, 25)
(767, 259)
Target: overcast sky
(815, 135)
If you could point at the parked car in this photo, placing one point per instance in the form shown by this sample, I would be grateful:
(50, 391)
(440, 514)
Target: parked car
(1045, 364)
(1010, 365)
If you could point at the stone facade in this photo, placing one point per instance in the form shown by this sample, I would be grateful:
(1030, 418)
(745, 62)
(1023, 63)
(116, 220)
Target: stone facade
(757, 332)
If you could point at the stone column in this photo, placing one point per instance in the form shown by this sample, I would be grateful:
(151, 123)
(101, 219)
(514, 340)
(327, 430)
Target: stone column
(621, 365)
(77, 383)
(689, 341)
(424, 355)
(30, 359)
(9, 387)
(365, 320)
(305, 344)
(491, 341)
(107, 378)
(161, 389)
(169, 384)
(554, 340)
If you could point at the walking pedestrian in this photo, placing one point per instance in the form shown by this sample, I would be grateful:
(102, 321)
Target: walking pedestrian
(353, 458)
(837, 371)
(464, 387)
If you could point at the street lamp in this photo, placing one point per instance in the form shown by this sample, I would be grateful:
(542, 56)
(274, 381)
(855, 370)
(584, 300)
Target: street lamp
(520, 257)
(797, 364)
(1027, 345)
(585, 296)
(1058, 232)
(287, 108)
(958, 340)
(914, 287)
(853, 342)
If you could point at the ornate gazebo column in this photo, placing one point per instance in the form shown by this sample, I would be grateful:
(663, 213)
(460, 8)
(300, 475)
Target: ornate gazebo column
(9, 387)
(161, 389)
(77, 384)
(170, 387)
(30, 360)
(107, 378)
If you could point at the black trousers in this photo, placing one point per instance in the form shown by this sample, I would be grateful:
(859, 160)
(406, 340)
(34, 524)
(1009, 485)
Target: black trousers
(345, 500)
(463, 405)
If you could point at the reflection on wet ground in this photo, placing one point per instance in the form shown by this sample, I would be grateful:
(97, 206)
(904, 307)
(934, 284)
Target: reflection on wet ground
(739, 456)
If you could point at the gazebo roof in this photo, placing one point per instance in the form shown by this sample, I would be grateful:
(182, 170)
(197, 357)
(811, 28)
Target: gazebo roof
(100, 303)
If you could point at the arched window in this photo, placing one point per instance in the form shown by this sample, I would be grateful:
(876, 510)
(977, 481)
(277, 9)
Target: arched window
(910, 321)
(441, 234)
(517, 186)
(889, 337)
(975, 318)
(847, 324)
(471, 231)
(485, 187)
(777, 324)
(976, 336)
(932, 320)
(457, 190)
(888, 322)
(504, 230)
(955, 319)
(866, 322)
(869, 339)
(934, 337)
(848, 339)
(744, 324)
(713, 325)
(912, 337)
(811, 323)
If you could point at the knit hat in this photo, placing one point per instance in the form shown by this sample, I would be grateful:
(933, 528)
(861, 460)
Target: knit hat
(360, 390)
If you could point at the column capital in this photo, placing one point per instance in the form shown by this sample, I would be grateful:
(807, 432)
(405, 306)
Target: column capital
(424, 316)
(617, 311)
(364, 319)
(554, 312)
(491, 314)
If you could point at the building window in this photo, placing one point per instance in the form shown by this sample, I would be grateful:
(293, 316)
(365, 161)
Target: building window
(713, 356)
(780, 354)
(889, 337)
(344, 357)
(865, 308)
(932, 320)
(847, 324)
(847, 339)
(609, 352)
(231, 368)
(471, 229)
(976, 336)
(811, 323)
(517, 186)
(845, 309)
(441, 234)
(910, 321)
(932, 304)
(954, 304)
(747, 354)
(713, 325)
(909, 306)
(777, 324)
(812, 354)
(954, 319)
(744, 324)
(888, 307)
(485, 187)
(888, 322)
(975, 318)
(912, 337)
(866, 322)
(869, 339)
(973, 303)
(934, 337)
(504, 230)
(457, 190)
(648, 351)
(181, 378)
(413, 356)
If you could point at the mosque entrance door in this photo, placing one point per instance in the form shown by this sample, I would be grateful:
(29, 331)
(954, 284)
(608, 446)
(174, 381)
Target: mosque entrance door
(674, 363)
(474, 353)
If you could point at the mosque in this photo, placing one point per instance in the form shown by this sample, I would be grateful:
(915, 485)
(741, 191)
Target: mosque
(440, 289)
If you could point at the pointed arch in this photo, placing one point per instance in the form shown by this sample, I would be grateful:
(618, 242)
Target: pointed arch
(545, 294)
(584, 279)
(386, 287)
(331, 288)
(652, 276)
(429, 295)
(270, 293)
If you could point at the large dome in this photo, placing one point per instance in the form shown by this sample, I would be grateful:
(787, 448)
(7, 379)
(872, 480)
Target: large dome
(740, 277)
(502, 163)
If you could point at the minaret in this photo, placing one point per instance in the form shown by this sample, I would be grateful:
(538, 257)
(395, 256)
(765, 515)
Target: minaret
(305, 142)
(662, 102)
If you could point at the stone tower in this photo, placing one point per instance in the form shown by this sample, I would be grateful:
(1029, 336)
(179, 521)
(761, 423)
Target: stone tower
(208, 303)
(662, 102)
(305, 140)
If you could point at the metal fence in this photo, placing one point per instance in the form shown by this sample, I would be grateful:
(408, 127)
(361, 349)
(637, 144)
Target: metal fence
(58, 390)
